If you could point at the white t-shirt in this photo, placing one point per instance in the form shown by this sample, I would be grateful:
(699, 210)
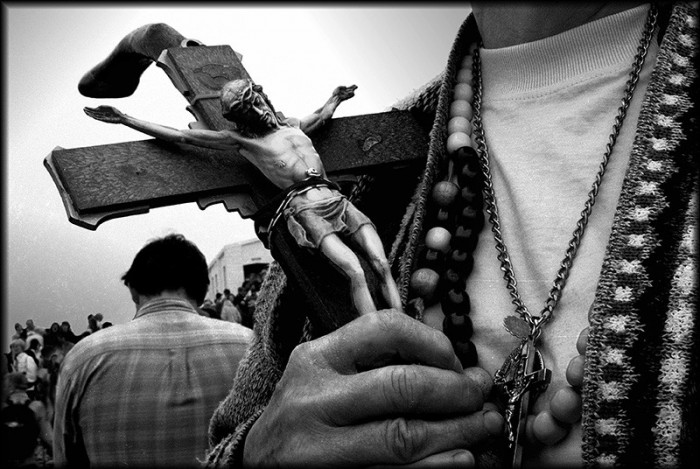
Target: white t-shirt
(26, 364)
(548, 110)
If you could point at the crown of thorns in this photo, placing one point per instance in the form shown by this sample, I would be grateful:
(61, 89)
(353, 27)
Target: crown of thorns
(238, 95)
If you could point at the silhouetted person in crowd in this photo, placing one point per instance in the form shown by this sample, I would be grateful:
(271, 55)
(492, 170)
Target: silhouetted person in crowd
(23, 363)
(150, 384)
(20, 333)
(219, 302)
(34, 349)
(94, 322)
(209, 309)
(51, 336)
(25, 422)
(67, 333)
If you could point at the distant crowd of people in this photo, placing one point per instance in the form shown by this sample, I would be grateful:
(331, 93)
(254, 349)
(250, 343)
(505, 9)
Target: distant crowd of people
(239, 308)
(30, 371)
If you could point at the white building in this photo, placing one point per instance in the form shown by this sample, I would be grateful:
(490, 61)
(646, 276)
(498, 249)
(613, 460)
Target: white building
(234, 263)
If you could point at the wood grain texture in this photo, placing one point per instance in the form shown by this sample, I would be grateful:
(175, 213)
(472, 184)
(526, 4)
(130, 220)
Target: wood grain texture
(152, 173)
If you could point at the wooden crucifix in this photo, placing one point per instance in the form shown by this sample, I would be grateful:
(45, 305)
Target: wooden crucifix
(99, 183)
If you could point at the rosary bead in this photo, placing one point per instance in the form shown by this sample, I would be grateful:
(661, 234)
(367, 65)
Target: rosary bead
(443, 218)
(462, 261)
(463, 156)
(433, 260)
(459, 124)
(467, 62)
(453, 279)
(456, 319)
(459, 297)
(455, 302)
(424, 282)
(547, 430)
(457, 326)
(530, 432)
(432, 255)
(465, 75)
(460, 107)
(459, 257)
(566, 405)
(582, 341)
(472, 218)
(463, 91)
(456, 141)
(464, 238)
(470, 170)
(574, 372)
(444, 193)
(438, 238)
(466, 352)
(452, 308)
(471, 196)
(470, 213)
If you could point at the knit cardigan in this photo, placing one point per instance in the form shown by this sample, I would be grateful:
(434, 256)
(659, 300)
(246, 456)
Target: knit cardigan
(640, 404)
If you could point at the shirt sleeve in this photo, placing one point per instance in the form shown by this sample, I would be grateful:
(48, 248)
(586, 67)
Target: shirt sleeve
(68, 448)
(31, 369)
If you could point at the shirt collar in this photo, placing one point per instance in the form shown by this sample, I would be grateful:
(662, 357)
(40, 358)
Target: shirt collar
(611, 41)
(159, 304)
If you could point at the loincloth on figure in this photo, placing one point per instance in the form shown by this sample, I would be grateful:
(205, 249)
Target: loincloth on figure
(318, 211)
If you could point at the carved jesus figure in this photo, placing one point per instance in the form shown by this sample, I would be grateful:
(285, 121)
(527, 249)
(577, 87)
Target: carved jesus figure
(317, 214)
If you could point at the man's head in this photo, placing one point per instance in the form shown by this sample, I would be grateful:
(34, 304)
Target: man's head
(168, 264)
(245, 104)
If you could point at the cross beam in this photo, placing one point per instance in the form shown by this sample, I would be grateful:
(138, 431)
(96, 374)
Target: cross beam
(108, 181)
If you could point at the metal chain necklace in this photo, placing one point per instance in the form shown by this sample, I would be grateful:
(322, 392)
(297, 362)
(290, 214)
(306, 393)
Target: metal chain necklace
(523, 371)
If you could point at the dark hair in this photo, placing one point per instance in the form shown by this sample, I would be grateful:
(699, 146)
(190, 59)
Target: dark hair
(169, 263)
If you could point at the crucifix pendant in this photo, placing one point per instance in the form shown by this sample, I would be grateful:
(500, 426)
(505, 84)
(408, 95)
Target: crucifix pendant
(521, 377)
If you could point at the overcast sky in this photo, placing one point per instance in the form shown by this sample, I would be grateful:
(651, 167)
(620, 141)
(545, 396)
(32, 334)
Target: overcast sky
(57, 271)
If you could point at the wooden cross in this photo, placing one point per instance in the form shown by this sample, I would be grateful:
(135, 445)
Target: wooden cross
(108, 181)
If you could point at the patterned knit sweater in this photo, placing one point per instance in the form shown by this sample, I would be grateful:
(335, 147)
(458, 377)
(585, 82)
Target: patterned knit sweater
(640, 401)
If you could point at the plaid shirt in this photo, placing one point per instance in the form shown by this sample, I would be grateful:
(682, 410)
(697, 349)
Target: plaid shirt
(142, 393)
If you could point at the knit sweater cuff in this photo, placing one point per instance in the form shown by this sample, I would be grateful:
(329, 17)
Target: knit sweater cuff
(229, 451)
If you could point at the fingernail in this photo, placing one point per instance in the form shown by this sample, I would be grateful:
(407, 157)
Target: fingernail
(493, 421)
(488, 405)
(465, 458)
